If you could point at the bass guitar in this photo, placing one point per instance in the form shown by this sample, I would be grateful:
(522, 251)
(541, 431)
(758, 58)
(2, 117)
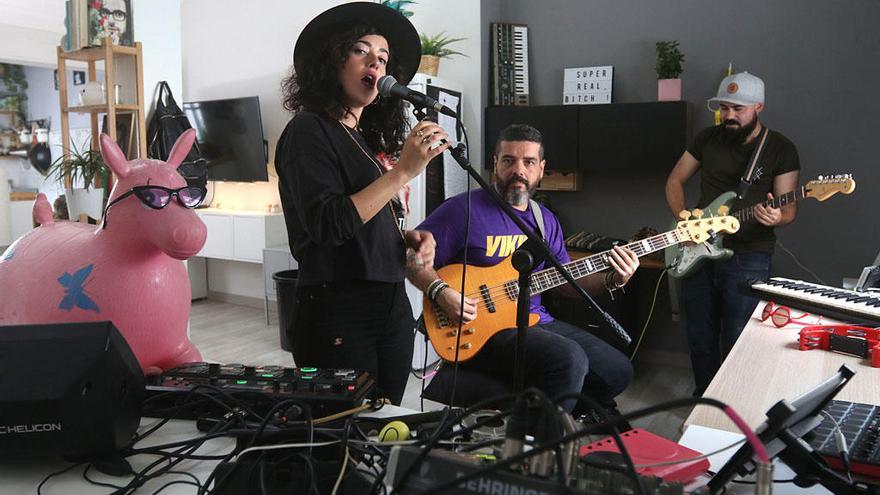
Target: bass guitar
(684, 260)
(496, 288)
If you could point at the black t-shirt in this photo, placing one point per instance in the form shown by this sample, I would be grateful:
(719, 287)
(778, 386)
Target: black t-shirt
(723, 165)
(319, 166)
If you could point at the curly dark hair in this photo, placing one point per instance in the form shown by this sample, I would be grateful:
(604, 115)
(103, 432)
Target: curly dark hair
(318, 90)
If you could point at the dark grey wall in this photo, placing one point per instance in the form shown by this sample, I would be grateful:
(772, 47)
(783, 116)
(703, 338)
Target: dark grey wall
(820, 61)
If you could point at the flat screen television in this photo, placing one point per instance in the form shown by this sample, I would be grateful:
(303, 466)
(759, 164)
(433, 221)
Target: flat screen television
(230, 135)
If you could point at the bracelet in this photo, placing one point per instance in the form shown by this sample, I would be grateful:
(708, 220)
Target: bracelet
(439, 291)
(432, 295)
(433, 285)
(610, 285)
(435, 288)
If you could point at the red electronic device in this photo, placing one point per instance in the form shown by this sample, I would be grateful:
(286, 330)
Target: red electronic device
(647, 448)
(847, 339)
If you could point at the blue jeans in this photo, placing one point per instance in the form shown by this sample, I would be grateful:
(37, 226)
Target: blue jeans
(560, 358)
(717, 308)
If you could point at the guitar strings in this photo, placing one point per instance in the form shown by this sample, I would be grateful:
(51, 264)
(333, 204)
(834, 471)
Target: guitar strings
(575, 268)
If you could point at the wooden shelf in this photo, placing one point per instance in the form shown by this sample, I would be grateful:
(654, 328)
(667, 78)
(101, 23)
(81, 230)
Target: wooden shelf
(96, 53)
(133, 68)
(103, 108)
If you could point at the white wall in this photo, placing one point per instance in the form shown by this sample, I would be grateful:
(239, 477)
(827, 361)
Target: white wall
(30, 31)
(157, 25)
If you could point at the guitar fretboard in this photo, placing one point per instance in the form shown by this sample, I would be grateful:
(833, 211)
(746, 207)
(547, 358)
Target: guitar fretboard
(791, 197)
(547, 279)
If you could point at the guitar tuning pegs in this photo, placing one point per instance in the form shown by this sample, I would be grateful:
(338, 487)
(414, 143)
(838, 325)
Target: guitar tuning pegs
(697, 213)
(723, 210)
(684, 215)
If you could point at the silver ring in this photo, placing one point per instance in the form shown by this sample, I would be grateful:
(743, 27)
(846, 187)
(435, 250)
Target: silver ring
(426, 139)
(420, 133)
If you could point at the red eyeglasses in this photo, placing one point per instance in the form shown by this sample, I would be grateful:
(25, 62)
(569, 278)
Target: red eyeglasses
(781, 316)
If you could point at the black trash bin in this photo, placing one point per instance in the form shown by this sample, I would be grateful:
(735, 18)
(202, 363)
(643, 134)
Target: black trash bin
(285, 292)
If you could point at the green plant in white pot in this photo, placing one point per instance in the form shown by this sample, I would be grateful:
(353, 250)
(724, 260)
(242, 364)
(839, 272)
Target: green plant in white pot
(668, 68)
(83, 168)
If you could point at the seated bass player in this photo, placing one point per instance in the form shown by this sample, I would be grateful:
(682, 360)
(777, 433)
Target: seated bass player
(560, 358)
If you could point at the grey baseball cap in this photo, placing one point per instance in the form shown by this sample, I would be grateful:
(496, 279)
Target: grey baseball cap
(741, 88)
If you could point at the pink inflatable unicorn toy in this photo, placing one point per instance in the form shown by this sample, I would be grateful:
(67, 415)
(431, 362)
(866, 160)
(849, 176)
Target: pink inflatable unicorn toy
(127, 270)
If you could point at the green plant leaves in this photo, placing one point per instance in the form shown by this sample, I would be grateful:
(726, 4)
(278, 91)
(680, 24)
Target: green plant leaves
(86, 165)
(669, 60)
(437, 45)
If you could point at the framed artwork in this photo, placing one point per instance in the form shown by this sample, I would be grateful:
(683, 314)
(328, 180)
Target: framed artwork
(111, 19)
(79, 77)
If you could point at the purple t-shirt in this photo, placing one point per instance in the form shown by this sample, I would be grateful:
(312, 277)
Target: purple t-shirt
(492, 236)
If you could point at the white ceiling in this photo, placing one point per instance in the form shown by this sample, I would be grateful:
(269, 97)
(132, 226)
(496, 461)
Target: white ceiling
(43, 15)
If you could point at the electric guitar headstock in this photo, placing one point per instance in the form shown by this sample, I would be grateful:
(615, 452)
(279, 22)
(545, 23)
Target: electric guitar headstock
(826, 186)
(703, 229)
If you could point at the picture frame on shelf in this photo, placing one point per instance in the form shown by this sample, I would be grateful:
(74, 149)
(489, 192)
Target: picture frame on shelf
(79, 77)
(110, 19)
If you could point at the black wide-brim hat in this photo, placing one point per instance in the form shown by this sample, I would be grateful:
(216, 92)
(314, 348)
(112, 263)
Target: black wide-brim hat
(403, 40)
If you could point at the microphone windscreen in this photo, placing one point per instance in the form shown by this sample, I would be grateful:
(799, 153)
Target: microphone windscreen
(385, 84)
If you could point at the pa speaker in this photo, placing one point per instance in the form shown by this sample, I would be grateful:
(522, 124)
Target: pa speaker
(70, 389)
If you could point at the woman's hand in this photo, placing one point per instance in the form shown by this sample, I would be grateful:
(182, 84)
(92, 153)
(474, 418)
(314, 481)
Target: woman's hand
(421, 145)
(420, 249)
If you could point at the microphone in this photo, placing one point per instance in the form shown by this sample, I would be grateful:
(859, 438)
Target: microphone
(388, 86)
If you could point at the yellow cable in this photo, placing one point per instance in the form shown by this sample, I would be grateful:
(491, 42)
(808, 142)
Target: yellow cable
(650, 314)
(341, 414)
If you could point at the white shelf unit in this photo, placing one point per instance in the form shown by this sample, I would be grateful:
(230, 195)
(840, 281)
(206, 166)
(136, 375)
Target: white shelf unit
(241, 235)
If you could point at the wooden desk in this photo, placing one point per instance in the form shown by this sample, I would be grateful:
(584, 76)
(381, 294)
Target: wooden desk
(766, 366)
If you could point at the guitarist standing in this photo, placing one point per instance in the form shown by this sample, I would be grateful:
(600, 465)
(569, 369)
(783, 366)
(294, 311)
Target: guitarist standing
(560, 357)
(739, 155)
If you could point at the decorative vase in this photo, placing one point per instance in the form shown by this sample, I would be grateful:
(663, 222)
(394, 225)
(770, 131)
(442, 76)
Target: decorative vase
(92, 94)
(429, 64)
(85, 201)
(668, 89)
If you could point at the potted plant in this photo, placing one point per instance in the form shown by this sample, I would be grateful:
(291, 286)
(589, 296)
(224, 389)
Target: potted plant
(400, 6)
(433, 49)
(668, 68)
(82, 168)
(13, 94)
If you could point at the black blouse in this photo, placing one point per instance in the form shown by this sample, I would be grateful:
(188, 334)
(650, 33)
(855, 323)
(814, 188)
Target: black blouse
(319, 166)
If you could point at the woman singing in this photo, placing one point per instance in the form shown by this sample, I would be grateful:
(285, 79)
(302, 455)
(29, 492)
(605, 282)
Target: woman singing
(351, 308)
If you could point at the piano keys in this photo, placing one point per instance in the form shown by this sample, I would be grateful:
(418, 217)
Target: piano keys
(860, 308)
(510, 64)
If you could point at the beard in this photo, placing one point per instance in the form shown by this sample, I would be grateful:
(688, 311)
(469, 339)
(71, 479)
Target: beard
(513, 196)
(737, 135)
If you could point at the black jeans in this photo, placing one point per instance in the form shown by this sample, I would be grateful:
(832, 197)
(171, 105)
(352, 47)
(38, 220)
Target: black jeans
(560, 359)
(717, 309)
(359, 325)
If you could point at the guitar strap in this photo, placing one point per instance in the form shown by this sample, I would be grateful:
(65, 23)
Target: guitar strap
(539, 217)
(749, 176)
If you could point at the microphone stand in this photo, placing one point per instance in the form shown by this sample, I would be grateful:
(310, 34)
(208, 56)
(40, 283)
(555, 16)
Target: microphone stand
(530, 254)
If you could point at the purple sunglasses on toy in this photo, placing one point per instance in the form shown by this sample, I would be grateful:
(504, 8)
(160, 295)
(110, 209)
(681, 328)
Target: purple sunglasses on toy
(158, 197)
